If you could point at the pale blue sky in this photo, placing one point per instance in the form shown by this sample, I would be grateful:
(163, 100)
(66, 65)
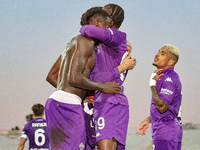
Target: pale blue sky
(34, 33)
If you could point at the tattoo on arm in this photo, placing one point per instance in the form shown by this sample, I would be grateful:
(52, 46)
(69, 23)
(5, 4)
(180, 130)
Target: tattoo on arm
(161, 105)
(149, 119)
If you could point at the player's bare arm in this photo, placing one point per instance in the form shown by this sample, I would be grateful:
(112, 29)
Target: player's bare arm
(127, 64)
(81, 65)
(21, 144)
(53, 73)
(161, 105)
(143, 126)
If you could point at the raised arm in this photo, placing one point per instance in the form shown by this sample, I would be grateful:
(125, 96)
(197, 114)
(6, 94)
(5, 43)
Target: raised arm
(110, 37)
(161, 105)
(127, 64)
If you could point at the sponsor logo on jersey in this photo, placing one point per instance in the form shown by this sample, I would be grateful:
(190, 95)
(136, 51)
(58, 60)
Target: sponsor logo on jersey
(169, 80)
(166, 91)
(81, 146)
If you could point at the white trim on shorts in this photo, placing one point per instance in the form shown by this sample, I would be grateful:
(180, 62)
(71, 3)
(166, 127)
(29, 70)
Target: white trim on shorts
(65, 97)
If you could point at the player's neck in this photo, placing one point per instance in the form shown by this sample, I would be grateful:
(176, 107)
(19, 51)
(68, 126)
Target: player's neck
(38, 117)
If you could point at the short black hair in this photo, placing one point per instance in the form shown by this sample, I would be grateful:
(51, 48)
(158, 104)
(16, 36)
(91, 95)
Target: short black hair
(94, 12)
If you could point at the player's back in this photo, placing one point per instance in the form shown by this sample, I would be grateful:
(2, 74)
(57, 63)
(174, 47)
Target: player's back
(36, 132)
(77, 49)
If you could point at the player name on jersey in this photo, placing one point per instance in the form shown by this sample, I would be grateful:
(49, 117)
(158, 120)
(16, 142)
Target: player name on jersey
(39, 124)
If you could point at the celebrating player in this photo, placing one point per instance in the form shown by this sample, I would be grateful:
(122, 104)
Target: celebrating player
(166, 102)
(63, 109)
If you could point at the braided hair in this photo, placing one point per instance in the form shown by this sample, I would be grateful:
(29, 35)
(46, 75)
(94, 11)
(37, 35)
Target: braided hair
(93, 13)
(116, 14)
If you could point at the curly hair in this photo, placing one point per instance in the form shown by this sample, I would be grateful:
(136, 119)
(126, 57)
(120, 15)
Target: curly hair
(116, 14)
(94, 12)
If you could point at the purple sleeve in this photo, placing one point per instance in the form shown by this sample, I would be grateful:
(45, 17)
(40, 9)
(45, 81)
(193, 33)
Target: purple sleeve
(24, 134)
(167, 91)
(104, 76)
(110, 37)
(92, 31)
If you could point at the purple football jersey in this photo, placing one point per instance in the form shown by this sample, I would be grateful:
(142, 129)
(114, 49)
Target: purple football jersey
(168, 126)
(36, 131)
(107, 57)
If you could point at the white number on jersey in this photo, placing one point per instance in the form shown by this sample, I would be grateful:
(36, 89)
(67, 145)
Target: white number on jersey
(101, 123)
(39, 133)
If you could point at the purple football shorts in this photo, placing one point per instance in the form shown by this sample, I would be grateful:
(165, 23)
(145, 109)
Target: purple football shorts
(65, 121)
(111, 120)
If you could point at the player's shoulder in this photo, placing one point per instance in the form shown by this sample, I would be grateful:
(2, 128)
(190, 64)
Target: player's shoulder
(28, 125)
(171, 77)
(83, 38)
(80, 40)
(114, 31)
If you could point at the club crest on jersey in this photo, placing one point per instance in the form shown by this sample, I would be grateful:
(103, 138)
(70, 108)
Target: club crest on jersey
(81, 146)
(169, 79)
(98, 134)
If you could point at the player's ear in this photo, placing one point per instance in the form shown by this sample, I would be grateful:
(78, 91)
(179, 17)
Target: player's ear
(33, 115)
(96, 23)
(172, 62)
(111, 23)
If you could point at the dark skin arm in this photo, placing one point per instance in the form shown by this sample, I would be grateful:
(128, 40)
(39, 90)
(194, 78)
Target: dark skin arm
(161, 105)
(81, 66)
(53, 73)
(127, 64)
